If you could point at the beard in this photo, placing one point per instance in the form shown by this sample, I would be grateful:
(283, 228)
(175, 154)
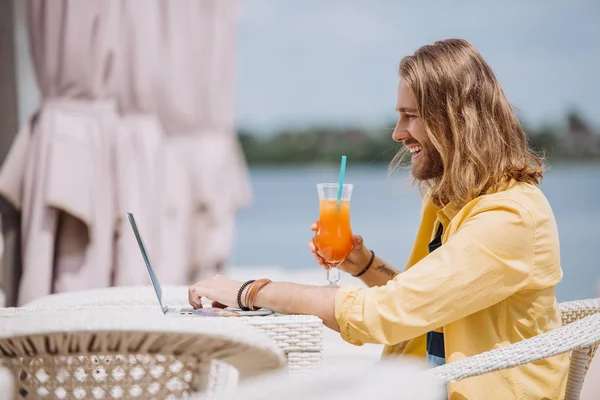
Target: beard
(427, 164)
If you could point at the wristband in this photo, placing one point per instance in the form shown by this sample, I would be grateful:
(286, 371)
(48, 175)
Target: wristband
(252, 292)
(368, 265)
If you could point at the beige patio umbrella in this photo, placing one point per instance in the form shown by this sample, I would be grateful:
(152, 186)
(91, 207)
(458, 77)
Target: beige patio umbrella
(136, 115)
(191, 65)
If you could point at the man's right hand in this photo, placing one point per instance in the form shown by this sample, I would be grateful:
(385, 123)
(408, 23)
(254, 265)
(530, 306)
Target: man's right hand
(357, 259)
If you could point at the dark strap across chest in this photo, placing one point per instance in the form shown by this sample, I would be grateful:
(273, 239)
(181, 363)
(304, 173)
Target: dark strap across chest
(435, 340)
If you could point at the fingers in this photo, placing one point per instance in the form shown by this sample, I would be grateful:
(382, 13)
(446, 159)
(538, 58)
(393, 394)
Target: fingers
(313, 250)
(320, 261)
(194, 296)
(357, 240)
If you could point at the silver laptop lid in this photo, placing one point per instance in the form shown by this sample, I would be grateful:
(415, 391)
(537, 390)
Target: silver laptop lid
(146, 257)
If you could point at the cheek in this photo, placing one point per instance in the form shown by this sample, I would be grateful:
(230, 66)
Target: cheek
(418, 132)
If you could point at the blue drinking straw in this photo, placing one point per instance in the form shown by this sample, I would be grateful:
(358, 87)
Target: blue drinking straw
(342, 173)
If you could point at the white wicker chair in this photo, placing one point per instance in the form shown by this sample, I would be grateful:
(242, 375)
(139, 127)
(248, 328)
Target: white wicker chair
(579, 335)
(580, 358)
(131, 351)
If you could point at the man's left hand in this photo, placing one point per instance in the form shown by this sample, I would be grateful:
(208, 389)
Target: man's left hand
(222, 291)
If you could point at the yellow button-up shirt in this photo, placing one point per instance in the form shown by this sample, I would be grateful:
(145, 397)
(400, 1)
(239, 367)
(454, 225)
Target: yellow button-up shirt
(490, 284)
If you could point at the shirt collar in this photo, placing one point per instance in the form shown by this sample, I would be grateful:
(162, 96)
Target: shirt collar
(447, 213)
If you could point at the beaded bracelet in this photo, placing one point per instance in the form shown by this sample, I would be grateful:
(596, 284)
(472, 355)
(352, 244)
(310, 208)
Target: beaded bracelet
(368, 265)
(239, 295)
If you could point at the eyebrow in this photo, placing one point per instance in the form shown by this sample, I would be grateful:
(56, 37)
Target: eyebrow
(405, 109)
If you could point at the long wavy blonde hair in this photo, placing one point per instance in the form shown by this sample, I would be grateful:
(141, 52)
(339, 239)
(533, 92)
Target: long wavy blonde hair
(469, 121)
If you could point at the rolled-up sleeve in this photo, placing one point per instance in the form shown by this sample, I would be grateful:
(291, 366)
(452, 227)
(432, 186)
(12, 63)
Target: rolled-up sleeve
(345, 301)
(489, 258)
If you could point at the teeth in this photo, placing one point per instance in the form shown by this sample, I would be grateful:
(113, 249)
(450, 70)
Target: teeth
(415, 149)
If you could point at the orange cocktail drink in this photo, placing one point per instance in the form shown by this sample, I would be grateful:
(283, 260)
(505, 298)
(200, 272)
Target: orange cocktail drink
(333, 239)
(334, 236)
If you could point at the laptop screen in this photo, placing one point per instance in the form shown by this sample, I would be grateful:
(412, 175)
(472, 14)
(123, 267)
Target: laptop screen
(146, 257)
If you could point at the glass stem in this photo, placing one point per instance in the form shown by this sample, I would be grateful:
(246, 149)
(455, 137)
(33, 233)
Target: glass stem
(333, 276)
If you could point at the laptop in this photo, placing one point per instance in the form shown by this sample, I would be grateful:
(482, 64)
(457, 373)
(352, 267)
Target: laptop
(173, 311)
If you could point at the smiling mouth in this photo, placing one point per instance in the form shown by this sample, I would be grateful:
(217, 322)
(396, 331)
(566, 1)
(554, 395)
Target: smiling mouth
(415, 151)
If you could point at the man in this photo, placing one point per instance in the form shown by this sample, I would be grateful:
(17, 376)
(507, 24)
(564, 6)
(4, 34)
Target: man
(485, 262)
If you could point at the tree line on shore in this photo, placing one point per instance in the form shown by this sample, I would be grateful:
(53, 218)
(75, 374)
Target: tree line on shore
(575, 139)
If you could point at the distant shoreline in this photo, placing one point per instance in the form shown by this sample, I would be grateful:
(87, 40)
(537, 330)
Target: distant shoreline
(551, 162)
(576, 142)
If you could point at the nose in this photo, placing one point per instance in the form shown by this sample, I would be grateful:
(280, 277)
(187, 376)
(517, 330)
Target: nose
(400, 134)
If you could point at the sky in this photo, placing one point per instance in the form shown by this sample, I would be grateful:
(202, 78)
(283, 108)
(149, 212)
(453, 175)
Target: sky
(334, 62)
